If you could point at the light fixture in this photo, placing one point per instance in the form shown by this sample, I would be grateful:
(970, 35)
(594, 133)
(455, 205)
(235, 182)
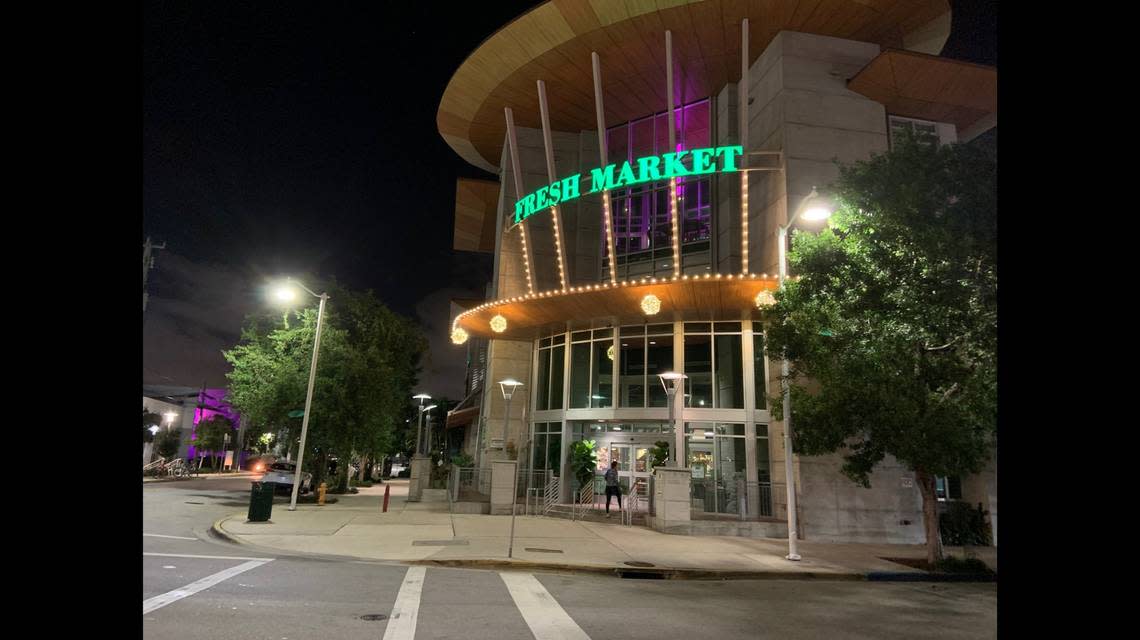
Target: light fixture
(508, 387)
(153, 429)
(765, 299)
(458, 335)
(610, 352)
(650, 305)
(817, 213)
(498, 324)
(285, 294)
(170, 416)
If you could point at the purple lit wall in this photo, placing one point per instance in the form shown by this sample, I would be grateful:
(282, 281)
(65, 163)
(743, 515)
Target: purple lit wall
(211, 402)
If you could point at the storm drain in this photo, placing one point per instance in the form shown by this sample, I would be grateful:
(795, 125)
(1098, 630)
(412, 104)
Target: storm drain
(537, 550)
(638, 563)
(374, 616)
(437, 543)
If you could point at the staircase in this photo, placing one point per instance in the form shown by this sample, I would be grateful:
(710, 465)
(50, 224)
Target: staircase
(566, 512)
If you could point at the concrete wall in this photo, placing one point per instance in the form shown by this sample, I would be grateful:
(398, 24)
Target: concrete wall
(184, 422)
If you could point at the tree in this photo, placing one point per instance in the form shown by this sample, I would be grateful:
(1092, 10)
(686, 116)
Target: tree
(166, 442)
(893, 319)
(211, 435)
(369, 358)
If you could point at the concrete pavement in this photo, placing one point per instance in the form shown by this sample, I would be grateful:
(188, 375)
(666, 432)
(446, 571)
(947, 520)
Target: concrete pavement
(425, 533)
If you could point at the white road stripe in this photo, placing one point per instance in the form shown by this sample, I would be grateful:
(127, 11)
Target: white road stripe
(187, 555)
(545, 617)
(157, 602)
(159, 535)
(402, 622)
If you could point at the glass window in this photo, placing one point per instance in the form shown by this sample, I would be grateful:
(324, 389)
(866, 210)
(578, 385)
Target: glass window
(759, 372)
(632, 366)
(554, 453)
(603, 374)
(543, 378)
(539, 451)
(659, 359)
(763, 464)
(729, 372)
(698, 368)
(557, 366)
(580, 375)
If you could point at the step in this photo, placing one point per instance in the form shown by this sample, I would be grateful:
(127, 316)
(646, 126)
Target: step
(434, 495)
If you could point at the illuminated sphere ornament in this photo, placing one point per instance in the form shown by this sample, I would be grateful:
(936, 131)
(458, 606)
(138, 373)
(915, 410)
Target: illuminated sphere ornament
(765, 299)
(650, 304)
(458, 335)
(498, 324)
(610, 352)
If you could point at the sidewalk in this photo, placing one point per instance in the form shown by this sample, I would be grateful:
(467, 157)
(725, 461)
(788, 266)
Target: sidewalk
(207, 476)
(425, 533)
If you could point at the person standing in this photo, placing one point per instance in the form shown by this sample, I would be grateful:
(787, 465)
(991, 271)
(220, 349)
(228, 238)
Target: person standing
(612, 486)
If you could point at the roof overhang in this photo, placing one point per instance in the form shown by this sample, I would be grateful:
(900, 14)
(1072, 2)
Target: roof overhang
(553, 42)
(690, 298)
(927, 87)
(476, 203)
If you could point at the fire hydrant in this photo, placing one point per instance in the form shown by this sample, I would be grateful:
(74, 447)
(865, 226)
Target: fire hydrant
(321, 493)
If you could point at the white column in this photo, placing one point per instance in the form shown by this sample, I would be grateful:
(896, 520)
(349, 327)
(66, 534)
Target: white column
(513, 141)
(550, 173)
(603, 154)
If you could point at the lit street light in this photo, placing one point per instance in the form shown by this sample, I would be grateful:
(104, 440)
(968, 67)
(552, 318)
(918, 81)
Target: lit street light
(287, 294)
(670, 380)
(508, 387)
(813, 208)
(420, 423)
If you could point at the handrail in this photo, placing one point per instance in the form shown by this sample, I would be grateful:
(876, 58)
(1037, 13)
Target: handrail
(550, 496)
(585, 496)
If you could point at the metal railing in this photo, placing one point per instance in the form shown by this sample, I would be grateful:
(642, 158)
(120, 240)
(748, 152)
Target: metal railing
(585, 498)
(550, 496)
(470, 484)
(638, 492)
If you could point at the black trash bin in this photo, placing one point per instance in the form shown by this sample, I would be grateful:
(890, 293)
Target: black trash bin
(260, 501)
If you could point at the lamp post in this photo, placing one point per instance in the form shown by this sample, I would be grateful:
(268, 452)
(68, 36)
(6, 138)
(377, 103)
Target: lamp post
(286, 294)
(508, 387)
(819, 211)
(670, 380)
(420, 423)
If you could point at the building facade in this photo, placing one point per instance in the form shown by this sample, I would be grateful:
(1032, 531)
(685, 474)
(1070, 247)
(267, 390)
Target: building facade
(647, 157)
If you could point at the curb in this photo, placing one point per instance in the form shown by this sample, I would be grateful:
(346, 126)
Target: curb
(642, 573)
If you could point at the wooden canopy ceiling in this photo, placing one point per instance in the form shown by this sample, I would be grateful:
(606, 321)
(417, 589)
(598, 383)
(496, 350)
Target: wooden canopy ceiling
(929, 87)
(475, 202)
(553, 42)
(716, 297)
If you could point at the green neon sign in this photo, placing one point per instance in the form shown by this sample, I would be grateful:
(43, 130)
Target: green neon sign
(647, 169)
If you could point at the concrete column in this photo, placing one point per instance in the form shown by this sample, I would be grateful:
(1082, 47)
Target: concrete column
(671, 499)
(502, 486)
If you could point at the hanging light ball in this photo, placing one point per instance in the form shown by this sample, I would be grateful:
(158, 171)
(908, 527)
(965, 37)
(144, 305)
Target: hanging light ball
(650, 304)
(498, 324)
(458, 335)
(765, 299)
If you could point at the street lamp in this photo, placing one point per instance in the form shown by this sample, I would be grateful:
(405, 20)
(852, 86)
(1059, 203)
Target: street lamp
(508, 387)
(813, 208)
(286, 293)
(420, 423)
(670, 380)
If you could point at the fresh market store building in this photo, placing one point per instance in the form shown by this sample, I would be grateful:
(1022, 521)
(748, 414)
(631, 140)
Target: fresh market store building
(634, 228)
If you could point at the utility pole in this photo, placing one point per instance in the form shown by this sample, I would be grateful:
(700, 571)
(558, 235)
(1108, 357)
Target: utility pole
(148, 264)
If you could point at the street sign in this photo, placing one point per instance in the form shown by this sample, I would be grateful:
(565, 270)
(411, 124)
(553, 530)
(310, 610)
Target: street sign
(297, 413)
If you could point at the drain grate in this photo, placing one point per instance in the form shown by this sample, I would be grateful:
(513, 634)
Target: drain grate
(638, 563)
(374, 616)
(537, 550)
(437, 543)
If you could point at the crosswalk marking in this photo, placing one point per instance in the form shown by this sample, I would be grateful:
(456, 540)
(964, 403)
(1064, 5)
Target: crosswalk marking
(545, 617)
(402, 622)
(159, 601)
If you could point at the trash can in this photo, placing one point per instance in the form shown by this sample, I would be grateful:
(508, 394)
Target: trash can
(260, 501)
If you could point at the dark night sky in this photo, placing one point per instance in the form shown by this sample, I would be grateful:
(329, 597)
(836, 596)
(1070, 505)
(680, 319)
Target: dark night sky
(300, 138)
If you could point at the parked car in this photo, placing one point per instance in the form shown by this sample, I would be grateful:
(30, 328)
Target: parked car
(281, 475)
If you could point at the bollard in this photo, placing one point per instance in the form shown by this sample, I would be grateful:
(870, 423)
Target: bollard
(387, 490)
(321, 493)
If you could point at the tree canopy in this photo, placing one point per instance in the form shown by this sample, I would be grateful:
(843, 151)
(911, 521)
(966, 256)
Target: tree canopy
(891, 321)
(367, 365)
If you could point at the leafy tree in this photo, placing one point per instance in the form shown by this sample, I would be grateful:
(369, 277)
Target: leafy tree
(583, 461)
(367, 366)
(166, 442)
(211, 435)
(893, 319)
(149, 420)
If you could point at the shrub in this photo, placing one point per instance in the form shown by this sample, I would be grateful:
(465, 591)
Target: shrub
(963, 525)
(463, 460)
(583, 461)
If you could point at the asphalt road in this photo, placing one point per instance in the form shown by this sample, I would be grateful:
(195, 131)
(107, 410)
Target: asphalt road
(195, 586)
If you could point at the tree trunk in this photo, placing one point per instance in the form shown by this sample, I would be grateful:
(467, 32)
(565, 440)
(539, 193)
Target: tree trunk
(929, 516)
(364, 464)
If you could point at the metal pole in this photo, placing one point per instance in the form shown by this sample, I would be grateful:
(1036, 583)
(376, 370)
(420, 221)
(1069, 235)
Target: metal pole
(308, 404)
(514, 488)
(672, 392)
(507, 421)
(789, 476)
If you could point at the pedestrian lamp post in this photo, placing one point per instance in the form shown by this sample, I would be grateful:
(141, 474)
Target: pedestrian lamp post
(286, 294)
(426, 420)
(508, 387)
(813, 209)
(670, 380)
(420, 424)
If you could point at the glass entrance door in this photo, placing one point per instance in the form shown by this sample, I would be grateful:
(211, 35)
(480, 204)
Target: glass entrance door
(634, 461)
